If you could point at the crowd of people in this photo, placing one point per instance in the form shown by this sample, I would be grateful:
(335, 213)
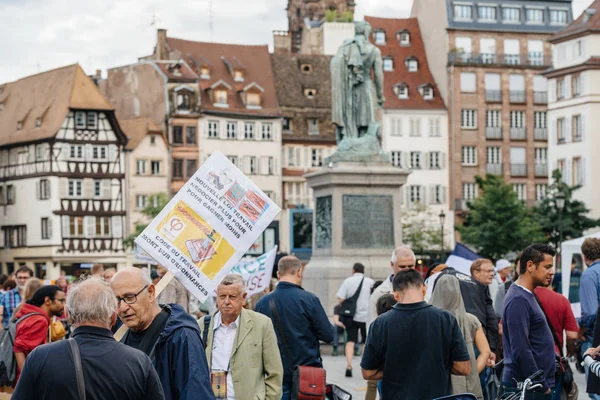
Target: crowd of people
(425, 337)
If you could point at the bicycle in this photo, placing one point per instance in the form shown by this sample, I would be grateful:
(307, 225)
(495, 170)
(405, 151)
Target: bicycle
(523, 387)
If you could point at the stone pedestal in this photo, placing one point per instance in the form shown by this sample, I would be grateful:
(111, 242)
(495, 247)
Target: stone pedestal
(356, 219)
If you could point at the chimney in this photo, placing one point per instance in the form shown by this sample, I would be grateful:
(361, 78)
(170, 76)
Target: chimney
(99, 73)
(161, 44)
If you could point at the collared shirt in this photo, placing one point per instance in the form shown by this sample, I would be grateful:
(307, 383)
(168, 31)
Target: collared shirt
(223, 340)
(9, 300)
(385, 287)
(349, 288)
(589, 289)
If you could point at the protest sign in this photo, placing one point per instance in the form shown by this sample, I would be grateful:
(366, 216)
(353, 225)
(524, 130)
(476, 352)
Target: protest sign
(140, 255)
(256, 272)
(208, 225)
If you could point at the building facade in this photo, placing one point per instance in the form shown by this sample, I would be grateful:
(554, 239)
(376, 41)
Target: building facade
(62, 174)
(487, 60)
(573, 111)
(415, 121)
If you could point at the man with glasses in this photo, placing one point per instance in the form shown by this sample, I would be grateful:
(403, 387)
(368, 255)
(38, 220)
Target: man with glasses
(167, 334)
(32, 331)
(11, 299)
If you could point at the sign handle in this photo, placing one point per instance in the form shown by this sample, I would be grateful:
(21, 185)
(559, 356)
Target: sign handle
(165, 280)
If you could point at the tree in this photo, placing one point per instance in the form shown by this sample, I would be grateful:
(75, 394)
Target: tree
(156, 203)
(498, 222)
(335, 16)
(421, 230)
(572, 219)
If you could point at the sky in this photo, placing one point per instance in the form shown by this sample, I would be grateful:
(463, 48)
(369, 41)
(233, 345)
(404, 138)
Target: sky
(39, 35)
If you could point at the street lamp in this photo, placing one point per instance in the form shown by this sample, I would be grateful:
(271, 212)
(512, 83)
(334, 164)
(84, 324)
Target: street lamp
(442, 219)
(560, 205)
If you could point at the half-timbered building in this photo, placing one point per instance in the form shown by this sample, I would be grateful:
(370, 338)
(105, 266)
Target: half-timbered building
(62, 173)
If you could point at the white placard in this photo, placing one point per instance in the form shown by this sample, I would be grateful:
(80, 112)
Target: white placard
(256, 272)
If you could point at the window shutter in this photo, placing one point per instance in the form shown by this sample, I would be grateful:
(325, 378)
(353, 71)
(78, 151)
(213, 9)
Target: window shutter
(567, 177)
(89, 226)
(582, 126)
(582, 87)
(307, 160)
(88, 151)
(443, 195)
(552, 91)
(62, 185)
(106, 186)
(432, 194)
(442, 160)
(117, 226)
(423, 194)
(425, 160)
(568, 130)
(567, 83)
(50, 228)
(204, 130)
(553, 138)
(38, 190)
(88, 188)
(65, 226)
(112, 153)
(285, 157)
(48, 186)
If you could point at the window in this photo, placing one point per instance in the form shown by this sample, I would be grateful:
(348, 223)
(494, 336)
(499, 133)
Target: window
(204, 72)
(541, 155)
(428, 93)
(494, 155)
(286, 125)
(493, 118)
(141, 200)
(44, 189)
(412, 65)
(511, 14)
(75, 226)
(183, 101)
(397, 158)
(404, 38)
(517, 119)
(306, 68)
(402, 92)
(231, 130)
(540, 191)
(560, 89)
(10, 194)
(562, 167)
(435, 160)
(190, 135)
(270, 165)
(46, 228)
(253, 100)
(248, 130)
(238, 75)
(177, 134)
(535, 53)
(267, 131)
(291, 160)
(15, 236)
(493, 91)
(487, 48)
(560, 130)
(512, 51)
(76, 152)
(469, 155)
(213, 129)
(578, 48)
(463, 12)
(140, 167)
(521, 190)
(415, 160)
(539, 120)
(468, 82)
(177, 168)
(577, 85)
(190, 168)
(577, 172)
(92, 120)
(469, 191)
(313, 126)
(415, 195)
(434, 127)
(75, 187)
(103, 226)
(251, 165)
(80, 120)
(464, 45)
(535, 15)
(415, 126)
(558, 17)
(233, 159)
(99, 152)
(577, 128)
(379, 38)
(468, 119)
(317, 157)
(388, 64)
(310, 93)
(221, 97)
(487, 13)
(438, 194)
(97, 188)
(155, 167)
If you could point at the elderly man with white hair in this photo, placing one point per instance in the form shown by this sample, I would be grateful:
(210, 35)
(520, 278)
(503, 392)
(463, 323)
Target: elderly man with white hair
(110, 370)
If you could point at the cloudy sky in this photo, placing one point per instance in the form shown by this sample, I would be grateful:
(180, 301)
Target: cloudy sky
(39, 35)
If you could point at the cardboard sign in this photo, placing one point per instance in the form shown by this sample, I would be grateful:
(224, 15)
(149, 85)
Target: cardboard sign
(208, 226)
(141, 256)
(257, 272)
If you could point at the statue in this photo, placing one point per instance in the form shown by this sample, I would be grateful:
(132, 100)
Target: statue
(357, 94)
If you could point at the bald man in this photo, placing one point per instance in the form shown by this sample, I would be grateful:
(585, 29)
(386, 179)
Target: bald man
(167, 334)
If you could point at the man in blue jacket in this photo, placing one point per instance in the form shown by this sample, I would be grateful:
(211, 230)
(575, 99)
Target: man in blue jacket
(167, 334)
(299, 320)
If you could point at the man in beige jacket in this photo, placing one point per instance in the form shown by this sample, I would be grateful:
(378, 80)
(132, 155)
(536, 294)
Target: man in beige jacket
(241, 347)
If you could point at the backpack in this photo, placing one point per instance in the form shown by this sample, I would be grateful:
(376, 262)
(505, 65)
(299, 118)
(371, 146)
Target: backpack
(8, 363)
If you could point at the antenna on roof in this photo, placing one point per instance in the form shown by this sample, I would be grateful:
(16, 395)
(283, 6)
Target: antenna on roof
(210, 18)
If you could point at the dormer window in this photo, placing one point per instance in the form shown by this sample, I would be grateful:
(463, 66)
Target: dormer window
(252, 95)
(388, 64)
(238, 75)
(426, 91)
(183, 101)
(252, 100)
(401, 90)
(221, 97)
(219, 91)
(310, 93)
(92, 120)
(38, 122)
(379, 36)
(412, 65)
(404, 38)
(175, 69)
(80, 120)
(306, 68)
(204, 72)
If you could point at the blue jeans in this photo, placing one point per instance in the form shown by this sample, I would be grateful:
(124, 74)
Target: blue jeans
(584, 347)
(557, 389)
(286, 391)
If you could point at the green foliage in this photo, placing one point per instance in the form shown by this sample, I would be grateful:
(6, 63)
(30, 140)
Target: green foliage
(334, 16)
(347, 16)
(498, 222)
(421, 230)
(156, 203)
(572, 220)
(331, 15)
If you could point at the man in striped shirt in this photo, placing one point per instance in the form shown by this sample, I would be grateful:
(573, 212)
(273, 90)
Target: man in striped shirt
(11, 299)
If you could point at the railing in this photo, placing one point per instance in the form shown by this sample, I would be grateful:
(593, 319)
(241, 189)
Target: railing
(541, 169)
(518, 133)
(493, 169)
(518, 169)
(540, 98)
(532, 60)
(517, 96)
(493, 96)
(493, 132)
(540, 133)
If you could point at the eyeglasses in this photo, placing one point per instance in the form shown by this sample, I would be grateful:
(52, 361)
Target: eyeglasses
(130, 298)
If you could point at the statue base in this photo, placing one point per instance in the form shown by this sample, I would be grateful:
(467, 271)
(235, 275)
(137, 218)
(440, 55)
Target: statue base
(364, 149)
(356, 218)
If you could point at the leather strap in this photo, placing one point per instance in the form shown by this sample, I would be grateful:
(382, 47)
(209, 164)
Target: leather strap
(74, 350)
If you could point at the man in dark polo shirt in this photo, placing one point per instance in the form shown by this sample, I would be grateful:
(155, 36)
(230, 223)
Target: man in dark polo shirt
(111, 370)
(414, 347)
(527, 340)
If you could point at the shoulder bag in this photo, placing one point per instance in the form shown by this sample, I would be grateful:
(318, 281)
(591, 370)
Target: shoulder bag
(348, 308)
(308, 383)
(74, 350)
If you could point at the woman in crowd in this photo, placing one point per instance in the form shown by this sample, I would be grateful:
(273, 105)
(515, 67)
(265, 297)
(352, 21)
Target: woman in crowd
(446, 296)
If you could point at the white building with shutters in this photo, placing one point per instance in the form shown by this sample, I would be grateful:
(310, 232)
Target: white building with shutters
(573, 107)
